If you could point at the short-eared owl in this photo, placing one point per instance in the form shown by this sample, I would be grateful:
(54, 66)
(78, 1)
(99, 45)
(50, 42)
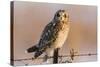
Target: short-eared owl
(53, 36)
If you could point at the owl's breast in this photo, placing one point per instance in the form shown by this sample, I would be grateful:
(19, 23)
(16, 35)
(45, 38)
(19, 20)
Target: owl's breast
(62, 36)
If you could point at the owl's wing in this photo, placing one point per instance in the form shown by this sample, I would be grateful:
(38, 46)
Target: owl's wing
(48, 36)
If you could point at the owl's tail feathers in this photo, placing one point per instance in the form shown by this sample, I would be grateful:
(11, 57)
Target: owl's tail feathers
(35, 49)
(37, 54)
(32, 49)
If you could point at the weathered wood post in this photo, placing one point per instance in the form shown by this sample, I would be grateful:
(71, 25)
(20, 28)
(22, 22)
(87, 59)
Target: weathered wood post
(55, 56)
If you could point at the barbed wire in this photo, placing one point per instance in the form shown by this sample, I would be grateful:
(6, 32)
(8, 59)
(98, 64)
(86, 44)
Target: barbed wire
(32, 58)
(71, 57)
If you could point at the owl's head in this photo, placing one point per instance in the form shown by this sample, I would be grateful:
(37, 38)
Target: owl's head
(61, 15)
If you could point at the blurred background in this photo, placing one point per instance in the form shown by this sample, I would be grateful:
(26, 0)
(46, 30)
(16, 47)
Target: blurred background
(30, 19)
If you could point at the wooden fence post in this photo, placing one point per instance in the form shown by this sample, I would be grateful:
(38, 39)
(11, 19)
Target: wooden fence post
(55, 56)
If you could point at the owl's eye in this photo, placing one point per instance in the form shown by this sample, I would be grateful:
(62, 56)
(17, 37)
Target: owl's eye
(58, 15)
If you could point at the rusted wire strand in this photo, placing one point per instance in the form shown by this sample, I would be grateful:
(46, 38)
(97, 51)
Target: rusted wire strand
(89, 54)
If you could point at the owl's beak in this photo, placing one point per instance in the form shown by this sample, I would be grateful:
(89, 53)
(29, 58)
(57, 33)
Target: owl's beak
(61, 19)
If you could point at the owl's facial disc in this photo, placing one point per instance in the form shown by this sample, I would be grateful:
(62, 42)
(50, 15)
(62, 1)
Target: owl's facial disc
(61, 15)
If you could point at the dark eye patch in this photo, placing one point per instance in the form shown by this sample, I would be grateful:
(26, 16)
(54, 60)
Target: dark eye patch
(58, 15)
